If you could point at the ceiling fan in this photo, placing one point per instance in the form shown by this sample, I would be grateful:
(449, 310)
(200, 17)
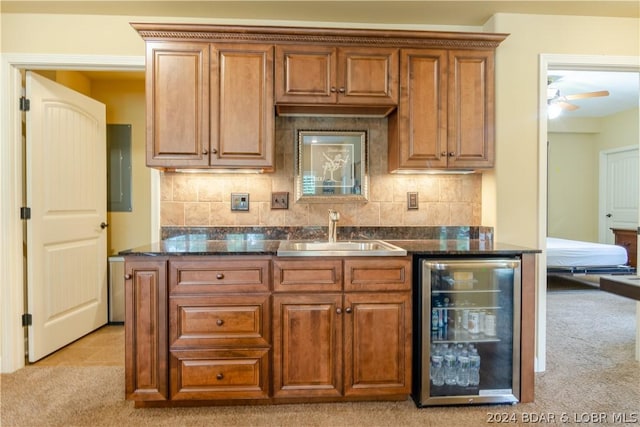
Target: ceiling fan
(560, 101)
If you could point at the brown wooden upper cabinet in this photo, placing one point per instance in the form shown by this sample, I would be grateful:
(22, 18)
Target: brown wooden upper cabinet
(312, 75)
(445, 117)
(210, 105)
(212, 89)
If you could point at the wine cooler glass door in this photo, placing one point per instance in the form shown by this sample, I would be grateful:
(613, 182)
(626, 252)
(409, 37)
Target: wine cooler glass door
(470, 331)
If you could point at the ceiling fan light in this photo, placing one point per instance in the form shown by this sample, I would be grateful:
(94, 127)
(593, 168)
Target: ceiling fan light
(552, 92)
(553, 111)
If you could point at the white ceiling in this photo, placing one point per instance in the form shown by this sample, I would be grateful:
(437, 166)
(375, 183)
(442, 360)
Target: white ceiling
(623, 87)
(419, 12)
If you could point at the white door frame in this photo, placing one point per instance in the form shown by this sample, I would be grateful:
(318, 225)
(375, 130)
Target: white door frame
(572, 62)
(12, 296)
(602, 184)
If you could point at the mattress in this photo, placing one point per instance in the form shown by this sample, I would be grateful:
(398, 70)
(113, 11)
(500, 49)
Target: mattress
(574, 253)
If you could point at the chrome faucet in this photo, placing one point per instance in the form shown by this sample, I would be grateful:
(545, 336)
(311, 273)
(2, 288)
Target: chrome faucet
(334, 217)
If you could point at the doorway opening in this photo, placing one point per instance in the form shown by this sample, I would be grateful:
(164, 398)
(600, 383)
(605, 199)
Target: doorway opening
(549, 62)
(12, 260)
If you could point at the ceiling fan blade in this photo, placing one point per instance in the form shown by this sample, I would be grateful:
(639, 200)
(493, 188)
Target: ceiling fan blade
(587, 95)
(566, 106)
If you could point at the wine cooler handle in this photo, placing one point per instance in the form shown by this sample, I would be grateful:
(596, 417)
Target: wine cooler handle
(494, 263)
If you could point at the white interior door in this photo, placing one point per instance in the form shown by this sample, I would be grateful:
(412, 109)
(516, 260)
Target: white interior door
(621, 192)
(66, 239)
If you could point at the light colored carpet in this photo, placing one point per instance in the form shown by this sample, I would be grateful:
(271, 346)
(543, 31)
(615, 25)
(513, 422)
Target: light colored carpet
(590, 369)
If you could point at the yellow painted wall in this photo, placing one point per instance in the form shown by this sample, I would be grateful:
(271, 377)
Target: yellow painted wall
(573, 186)
(125, 102)
(574, 154)
(620, 130)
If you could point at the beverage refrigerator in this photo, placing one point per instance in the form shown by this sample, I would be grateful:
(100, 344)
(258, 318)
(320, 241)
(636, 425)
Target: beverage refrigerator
(466, 331)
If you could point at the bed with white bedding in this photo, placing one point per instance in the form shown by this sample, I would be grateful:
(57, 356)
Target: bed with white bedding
(577, 257)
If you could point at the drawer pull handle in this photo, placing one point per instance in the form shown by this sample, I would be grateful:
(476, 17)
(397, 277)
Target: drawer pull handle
(219, 322)
(219, 376)
(220, 276)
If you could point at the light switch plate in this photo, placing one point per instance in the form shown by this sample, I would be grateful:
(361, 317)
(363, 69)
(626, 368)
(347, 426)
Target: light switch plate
(412, 200)
(239, 201)
(280, 200)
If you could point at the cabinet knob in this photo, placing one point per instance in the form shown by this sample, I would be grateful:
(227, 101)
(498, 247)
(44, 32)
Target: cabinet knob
(339, 310)
(451, 154)
(205, 151)
(219, 276)
(127, 277)
(219, 376)
(443, 154)
(219, 322)
(348, 310)
(341, 90)
(214, 151)
(333, 89)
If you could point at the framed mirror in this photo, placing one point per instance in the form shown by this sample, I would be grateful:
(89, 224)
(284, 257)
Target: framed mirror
(332, 166)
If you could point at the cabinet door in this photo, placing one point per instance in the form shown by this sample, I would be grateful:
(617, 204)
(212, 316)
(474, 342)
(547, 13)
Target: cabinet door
(307, 345)
(306, 74)
(418, 128)
(242, 116)
(146, 330)
(328, 75)
(377, 354)
(471, 109)
(367, 76)
(177, 86)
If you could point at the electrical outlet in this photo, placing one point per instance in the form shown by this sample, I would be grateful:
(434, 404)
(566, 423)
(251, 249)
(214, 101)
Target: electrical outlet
(412, 200)
(239, 201)
(280, 200)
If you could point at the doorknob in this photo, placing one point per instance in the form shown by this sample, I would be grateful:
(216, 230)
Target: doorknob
(103, 225)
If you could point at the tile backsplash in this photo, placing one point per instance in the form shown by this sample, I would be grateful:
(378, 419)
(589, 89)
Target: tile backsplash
(193, 200)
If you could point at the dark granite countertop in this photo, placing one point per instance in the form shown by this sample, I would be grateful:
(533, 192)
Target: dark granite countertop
(238, 246)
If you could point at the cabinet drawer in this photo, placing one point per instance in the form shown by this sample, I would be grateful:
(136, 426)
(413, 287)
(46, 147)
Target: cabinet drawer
(220, 374)
(219, 275)
(389, 274)
(307, 275)
(224, 320)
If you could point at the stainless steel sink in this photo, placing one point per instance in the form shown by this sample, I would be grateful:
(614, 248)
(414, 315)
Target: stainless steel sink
(340, 248)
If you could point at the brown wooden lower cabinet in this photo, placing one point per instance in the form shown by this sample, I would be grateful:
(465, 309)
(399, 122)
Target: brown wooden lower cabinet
(146, 329)
(261, 329)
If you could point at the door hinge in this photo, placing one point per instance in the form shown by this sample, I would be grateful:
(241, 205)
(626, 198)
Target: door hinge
(25, 213)
(27, 319)
(25, 104)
